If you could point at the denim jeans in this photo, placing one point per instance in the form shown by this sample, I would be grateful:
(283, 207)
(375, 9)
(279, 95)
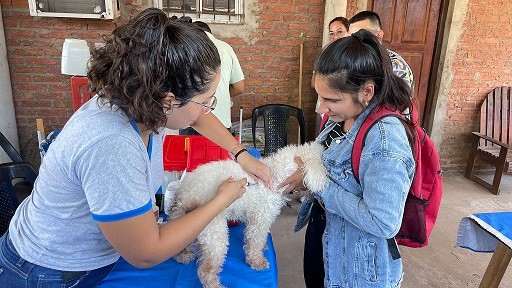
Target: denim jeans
(15, 272)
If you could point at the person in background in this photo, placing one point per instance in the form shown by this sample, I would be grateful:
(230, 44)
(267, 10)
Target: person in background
(349, 224)
(231, 76)
(338, 28)
(185, 19)
(92, 201)
(370, 21)
(231, 82)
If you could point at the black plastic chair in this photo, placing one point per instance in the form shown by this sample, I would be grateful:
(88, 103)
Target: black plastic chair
(9, 149)
(275, 125)
(22, 174)
(9, 200)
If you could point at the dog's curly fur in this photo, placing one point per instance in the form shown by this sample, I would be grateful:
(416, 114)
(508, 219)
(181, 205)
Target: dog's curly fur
(258, 207)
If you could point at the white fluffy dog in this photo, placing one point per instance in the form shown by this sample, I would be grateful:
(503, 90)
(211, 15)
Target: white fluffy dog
(258, 207)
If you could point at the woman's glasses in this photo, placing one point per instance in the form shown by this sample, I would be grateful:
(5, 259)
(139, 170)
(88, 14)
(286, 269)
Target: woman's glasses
(208, 107)
(337, 32)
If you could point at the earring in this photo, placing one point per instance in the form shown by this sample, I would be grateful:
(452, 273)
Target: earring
(366, 103)
(167, 111)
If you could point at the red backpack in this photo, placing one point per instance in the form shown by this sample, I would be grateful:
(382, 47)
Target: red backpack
(424, 198)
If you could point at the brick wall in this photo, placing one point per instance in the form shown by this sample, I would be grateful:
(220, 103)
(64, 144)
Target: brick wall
(482, 62)
(34, 46)
(271, 64)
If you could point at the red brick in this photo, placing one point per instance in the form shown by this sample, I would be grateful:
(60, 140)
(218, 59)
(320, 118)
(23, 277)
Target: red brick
(19, 3)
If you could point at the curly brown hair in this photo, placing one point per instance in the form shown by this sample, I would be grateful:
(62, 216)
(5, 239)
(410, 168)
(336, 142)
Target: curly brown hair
(148, 57)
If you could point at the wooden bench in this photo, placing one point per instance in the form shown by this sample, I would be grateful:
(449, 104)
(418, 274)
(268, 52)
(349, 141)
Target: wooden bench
(492, 144)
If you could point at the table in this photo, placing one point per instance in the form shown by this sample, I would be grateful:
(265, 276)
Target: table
(488, 232)
(235, 272)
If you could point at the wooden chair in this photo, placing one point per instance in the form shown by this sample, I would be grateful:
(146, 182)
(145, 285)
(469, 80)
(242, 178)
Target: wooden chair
(493, 143)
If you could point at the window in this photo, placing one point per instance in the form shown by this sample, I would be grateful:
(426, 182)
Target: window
(100, 9)
(212, 11)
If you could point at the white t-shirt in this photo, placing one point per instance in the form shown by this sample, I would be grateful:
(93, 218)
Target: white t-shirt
(97, 170)
(231, 72)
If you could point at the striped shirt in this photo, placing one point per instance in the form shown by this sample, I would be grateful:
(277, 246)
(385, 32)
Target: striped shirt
(336, 132)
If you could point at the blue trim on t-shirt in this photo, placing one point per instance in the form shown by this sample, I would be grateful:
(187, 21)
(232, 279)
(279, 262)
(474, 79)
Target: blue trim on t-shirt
(150, 145)
(123, 215)
(135, 127)
(150, 142)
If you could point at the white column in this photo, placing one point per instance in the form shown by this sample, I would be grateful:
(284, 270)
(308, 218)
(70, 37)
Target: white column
(7, 119)
(333, 9)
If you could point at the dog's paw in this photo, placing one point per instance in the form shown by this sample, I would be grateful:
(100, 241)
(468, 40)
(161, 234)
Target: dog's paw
(185, 256)
(208, 276)
(258, 263)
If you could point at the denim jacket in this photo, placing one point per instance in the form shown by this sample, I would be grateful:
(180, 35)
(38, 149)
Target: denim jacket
(361, 217)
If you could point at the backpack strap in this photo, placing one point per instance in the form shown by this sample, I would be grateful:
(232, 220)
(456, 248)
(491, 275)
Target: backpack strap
(377, 114)
(393, 249)
(324, 120)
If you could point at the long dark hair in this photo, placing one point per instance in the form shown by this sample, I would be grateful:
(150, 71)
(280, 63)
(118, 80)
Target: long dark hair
(148, 57)
(348, 63)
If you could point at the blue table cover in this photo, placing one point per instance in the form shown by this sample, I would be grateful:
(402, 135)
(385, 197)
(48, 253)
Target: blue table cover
(481, 232)
(235, 272)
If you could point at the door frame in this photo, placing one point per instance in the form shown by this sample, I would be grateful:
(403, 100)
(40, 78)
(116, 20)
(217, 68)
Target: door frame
(453, 13)
(432, 93)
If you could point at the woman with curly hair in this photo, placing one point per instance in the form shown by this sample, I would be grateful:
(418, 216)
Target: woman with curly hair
(92, 201)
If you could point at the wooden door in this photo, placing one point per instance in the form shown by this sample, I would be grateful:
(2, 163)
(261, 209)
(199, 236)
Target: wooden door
(410, 28)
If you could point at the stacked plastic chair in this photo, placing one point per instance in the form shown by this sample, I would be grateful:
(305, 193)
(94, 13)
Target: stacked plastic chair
(16, 181)
(275, 125)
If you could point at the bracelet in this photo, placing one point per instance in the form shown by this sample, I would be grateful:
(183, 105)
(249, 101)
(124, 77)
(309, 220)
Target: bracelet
(239, 152)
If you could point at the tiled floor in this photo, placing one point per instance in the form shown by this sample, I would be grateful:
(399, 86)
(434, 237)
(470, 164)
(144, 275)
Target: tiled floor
(440, 264)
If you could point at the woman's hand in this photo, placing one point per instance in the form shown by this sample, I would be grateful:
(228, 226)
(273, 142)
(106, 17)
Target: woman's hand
(230, 190)
(296, 181)
(254, 167)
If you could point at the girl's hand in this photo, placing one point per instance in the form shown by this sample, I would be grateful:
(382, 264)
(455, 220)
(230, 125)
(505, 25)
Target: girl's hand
(296, 181)
(230, 190)
(254, 167)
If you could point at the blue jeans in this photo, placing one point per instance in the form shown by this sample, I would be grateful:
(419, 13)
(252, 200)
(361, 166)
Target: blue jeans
(15, 272)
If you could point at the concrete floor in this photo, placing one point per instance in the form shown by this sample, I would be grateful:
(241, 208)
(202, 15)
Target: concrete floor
(440, 264)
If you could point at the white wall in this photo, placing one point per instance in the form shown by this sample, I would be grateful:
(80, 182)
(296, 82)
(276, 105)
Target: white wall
(7, 119)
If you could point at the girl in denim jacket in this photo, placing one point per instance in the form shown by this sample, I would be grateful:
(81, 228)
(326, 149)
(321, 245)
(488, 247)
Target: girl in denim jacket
(349, 224)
